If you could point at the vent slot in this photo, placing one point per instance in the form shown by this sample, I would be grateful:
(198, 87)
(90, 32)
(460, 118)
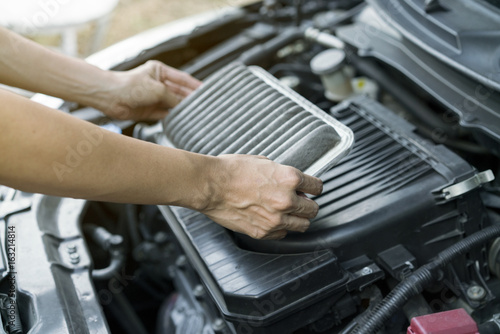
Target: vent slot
(245, 110)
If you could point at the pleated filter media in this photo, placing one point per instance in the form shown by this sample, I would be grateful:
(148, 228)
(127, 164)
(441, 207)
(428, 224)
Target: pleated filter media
(245, 110)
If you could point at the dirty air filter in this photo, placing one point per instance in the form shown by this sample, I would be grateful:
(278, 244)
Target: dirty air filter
(244, 110)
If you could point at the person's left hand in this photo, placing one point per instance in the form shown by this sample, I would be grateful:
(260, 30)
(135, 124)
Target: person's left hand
(147, 92)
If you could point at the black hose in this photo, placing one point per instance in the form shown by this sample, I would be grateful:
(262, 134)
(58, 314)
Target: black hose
(465, 245)
(489, 327)
(415, 283)
(262, 54)
(132, 224)
(117, 262)
(293, 68)
(342, 17)
(111, 243)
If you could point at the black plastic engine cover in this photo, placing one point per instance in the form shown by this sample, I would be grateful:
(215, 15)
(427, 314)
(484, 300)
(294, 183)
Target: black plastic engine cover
(465, 80)
(256, 290)
(385, 193)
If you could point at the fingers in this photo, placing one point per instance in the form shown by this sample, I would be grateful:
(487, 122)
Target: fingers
(289, 223)
(294, 223)
(156, 115)
(275, 235)
(310, 185)
(168, 98)
(279, 231)
(179, 84)
(304, 207)
(261, 198)
(178, 90)
(179, 78)
(148, 91)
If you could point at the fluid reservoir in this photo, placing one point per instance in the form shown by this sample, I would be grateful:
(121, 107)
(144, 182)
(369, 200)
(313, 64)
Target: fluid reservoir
(330, 66)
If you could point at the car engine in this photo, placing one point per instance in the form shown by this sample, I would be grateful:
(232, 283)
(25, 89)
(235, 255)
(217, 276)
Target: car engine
(407, 239)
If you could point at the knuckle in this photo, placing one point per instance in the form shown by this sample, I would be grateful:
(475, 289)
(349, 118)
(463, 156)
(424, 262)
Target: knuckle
(304, 225)
(259, 233)
(152, 62)
(281, 234)
(284, 203)
(293, 177)
(275, 221)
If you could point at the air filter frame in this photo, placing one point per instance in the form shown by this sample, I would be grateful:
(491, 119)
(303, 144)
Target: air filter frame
(344, 137)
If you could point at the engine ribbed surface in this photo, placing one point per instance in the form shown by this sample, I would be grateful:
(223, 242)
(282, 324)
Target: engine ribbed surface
(377, 165)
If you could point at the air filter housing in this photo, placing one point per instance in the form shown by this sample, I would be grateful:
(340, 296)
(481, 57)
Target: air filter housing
(382, 205)
(245, 110)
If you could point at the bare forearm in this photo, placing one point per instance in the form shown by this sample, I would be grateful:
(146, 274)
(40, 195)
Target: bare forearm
(47, 151)
(27, 65)
(146, 92)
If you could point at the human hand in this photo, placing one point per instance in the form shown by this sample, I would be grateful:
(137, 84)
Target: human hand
(147, 92)
(261, 198)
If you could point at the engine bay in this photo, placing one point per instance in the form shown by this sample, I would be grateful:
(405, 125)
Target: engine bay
(409, 220)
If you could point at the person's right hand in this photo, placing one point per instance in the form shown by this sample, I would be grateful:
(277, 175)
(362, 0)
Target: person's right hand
(263, 199)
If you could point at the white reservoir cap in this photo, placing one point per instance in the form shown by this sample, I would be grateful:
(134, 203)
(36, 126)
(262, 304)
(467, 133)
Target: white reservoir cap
(329, 65)
(328, 61)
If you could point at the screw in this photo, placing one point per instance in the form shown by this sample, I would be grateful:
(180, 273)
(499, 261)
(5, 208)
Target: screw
(218, 325)
(74, 258)
(198, 291)
(476, 292)
(181, 261)
(366, 271)
(161, 237)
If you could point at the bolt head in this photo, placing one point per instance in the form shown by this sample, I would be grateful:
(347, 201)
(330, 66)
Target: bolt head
(199, 291)
(476, 292)
(366, 271)
(161, 237)
(218, 325)
(181, 261)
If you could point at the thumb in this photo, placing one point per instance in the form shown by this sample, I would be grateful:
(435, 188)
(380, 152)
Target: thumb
(167, 99)
(157, 115)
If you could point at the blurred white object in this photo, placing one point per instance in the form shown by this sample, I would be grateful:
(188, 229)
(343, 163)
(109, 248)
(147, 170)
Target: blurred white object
(64, 17)
(365, 86)
(330, 66)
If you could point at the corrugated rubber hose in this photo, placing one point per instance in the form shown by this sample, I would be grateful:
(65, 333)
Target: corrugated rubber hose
(416, 282)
